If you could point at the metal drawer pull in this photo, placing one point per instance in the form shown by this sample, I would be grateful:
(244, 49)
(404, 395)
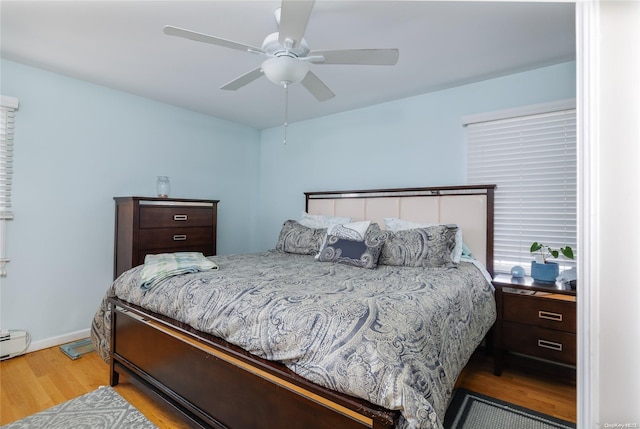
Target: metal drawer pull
(556, 317)
(550, 345)
(180, 237)
(179, 217)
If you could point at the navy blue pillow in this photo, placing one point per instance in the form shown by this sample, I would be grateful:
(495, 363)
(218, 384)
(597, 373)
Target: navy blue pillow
(362, 254)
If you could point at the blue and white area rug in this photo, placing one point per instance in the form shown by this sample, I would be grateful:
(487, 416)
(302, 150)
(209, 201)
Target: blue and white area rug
(469, 410)
(103, 408)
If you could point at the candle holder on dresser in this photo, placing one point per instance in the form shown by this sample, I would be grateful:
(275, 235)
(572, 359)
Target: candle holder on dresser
(163, 186)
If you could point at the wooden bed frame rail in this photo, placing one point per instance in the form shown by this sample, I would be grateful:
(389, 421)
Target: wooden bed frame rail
(214, 384)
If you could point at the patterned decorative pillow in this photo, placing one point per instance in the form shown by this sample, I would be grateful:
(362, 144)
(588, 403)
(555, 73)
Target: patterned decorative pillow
(296, 238)
(350, 244)
(420, 247)
(394, 224)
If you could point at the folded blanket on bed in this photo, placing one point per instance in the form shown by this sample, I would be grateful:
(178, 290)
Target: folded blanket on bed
(159, 267)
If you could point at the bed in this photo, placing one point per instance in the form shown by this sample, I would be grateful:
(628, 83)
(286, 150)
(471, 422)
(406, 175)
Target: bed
(287, 338)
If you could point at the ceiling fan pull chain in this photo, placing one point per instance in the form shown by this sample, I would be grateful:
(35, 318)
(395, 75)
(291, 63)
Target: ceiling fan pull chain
(286, 110)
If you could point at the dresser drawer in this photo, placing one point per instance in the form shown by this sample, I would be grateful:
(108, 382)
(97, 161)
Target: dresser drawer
(175, 217)
(205, 249)
(542, 312)
(540, 342)
(166, 238)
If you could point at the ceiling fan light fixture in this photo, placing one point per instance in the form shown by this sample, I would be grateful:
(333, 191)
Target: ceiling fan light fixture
(285, 70)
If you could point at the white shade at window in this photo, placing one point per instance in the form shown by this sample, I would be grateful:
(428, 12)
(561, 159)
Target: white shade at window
(8, 106)
(532, 160)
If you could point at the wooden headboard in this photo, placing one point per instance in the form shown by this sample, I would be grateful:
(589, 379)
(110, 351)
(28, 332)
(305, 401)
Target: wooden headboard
(470, 207)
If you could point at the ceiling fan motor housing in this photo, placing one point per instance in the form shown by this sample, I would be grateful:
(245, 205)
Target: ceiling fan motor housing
(272, 46)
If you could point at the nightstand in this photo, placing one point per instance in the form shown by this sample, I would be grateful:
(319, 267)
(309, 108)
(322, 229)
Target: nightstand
(534, 319)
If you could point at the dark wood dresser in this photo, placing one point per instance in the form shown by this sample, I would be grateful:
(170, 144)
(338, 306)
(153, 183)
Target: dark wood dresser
(534, 319)
(146, 225)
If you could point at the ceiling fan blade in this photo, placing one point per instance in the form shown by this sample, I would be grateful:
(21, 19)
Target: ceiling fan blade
(243, 80)
(201, 37)
(316, 87)
(294, 16)
(381, 57)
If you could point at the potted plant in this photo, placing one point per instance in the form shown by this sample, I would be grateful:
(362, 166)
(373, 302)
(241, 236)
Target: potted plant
(543, 270)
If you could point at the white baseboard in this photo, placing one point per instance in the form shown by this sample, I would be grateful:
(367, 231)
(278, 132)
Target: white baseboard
(59, 340)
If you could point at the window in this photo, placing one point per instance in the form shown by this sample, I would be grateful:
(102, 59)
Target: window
(530, 154)
(8, 106)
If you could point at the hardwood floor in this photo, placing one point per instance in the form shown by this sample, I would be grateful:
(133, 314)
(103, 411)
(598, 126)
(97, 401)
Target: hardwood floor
(546, 388)
(40, 380)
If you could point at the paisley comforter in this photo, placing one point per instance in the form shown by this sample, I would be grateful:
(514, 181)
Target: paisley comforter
(395, 336)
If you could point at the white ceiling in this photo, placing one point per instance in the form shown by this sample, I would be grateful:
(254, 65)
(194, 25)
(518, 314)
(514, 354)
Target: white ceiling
(120, 44)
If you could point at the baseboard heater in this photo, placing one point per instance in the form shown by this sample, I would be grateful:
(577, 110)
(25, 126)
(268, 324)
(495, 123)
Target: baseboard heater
(12, 343)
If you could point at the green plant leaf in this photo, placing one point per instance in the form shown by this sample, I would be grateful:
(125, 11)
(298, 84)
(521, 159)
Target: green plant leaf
(567, 252)
(546, 252)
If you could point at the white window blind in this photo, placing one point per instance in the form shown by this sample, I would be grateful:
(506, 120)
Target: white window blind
(8, 106)
(532, 160)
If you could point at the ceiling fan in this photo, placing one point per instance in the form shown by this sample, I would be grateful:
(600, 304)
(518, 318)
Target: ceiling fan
(289, 56)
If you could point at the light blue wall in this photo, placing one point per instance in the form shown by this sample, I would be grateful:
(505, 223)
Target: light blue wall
(417, 141)
(78, 145)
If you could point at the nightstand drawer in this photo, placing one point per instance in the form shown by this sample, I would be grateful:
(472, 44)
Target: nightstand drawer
(542, 312)
(161, 238)
(540, 342)
(175, 217)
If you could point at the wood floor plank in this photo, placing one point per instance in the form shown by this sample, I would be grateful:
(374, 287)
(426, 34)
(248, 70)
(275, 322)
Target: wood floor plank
(40, 380)
(22, 396)
(542, 387)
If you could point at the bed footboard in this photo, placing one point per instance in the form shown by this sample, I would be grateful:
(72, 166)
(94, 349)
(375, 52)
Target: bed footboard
(218, 385)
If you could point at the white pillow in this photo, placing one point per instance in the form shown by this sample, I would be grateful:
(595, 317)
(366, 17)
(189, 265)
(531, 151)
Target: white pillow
(321, 221)
(394, 225)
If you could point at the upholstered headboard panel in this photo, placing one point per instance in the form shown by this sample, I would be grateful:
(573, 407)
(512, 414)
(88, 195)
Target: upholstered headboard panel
(470, 207)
